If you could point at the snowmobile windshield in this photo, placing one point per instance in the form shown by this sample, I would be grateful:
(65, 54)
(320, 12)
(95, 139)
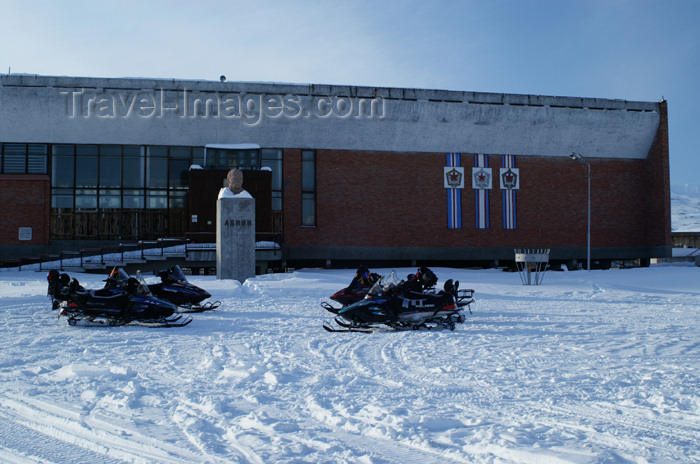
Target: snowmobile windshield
(140, 287)
(176, 274)
(384, 284)
(118, 278)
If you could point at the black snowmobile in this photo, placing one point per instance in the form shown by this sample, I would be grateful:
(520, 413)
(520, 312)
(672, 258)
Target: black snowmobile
(175, 288)
(123, 300)
(357, 290)
(422, 281)
(393, 303)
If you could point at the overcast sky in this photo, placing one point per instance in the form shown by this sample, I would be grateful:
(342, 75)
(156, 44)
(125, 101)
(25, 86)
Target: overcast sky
(621, 49)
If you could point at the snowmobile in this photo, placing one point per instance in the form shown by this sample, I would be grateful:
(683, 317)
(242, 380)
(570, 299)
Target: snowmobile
(423, 280)
(357, 290)
(390, 302)
(175, 288)
(123, 300)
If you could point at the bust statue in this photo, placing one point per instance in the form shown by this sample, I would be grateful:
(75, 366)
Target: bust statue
(235, 180)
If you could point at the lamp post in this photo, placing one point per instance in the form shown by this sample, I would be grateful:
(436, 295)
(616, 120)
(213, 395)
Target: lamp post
(581, 159)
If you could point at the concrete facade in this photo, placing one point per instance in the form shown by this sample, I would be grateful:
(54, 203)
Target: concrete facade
(176, 112)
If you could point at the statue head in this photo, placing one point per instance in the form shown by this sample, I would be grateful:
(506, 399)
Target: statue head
(235, 180)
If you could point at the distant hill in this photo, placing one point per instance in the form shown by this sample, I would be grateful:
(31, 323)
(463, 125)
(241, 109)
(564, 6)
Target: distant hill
(685, 208)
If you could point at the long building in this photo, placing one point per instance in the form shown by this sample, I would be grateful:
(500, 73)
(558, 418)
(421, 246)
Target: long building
(339, 173)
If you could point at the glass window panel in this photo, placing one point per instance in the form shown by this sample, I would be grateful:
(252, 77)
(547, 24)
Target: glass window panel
(86, 171)
(86, 150)
(277, 201)
(63, 149)
(133, 199)
(15, 164)
(110, 150)
(273, 160)
(62, 198)
(110, 171)
(131, 151)
(62, 171)
(272, 153)
(159, 152)
(177, 199)
(198, 156)
(37, 149)
(133, 172)
(179, 170)
(308, 209)
(15, 149)
(157, 199)
(308, 171)
(86, 199)
(180, 152)
(36, 164)
(157, 172)
(157, 167)
(110, 199)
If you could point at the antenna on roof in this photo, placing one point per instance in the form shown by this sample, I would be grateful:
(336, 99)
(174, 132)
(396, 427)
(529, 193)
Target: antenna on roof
(222, 78)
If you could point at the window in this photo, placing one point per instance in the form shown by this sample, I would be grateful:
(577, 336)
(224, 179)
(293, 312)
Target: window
(62, 198)
(110, 166)
(133, 199)
(157, 168)
(198, 156)
(36, 158)
(272, 158)
(179, 166)
(178, 199)
(308, 188)
(229, 158)
(110, 198)
(63, 176)
(134, 172)
(23, 158)
(86, 166)
(63, 166)
(157, 199)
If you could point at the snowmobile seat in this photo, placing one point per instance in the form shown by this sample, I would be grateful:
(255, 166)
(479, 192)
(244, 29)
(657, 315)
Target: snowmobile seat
(75, 287)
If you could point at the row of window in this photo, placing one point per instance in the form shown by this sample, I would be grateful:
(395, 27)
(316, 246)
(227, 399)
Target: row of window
(133, 176)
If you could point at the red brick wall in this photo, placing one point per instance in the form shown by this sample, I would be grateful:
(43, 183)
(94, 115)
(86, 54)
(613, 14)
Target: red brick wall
(398, 199)
(659, 188)
(25, 201)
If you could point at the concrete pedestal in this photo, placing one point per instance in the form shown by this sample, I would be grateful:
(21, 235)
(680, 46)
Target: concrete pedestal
(235, 236)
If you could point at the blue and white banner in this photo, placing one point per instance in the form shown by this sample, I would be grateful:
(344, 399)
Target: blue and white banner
(481, 182)
(454, 185)
(510, 183)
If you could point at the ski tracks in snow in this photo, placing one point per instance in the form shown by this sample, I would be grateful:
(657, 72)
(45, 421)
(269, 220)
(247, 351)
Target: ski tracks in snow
(573, 372)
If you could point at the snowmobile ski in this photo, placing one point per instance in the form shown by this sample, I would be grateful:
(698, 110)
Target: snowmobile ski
(329, 328)
(208, 306)
(329, 307)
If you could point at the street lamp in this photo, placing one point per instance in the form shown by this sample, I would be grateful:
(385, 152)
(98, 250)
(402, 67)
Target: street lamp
(581, 159)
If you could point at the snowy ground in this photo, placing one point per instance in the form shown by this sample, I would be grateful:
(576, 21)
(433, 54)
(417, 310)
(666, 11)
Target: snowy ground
(589, 367)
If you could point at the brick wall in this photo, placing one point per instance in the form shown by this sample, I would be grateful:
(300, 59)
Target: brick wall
(25, 201)
(398, 200)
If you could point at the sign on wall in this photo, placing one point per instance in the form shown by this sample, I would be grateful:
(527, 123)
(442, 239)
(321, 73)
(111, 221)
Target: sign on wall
(25, 233)
(510, 178)
(482, 178)
(454, 177)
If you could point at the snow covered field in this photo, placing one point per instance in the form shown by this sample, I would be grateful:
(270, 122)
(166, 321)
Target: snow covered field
(589, 367)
